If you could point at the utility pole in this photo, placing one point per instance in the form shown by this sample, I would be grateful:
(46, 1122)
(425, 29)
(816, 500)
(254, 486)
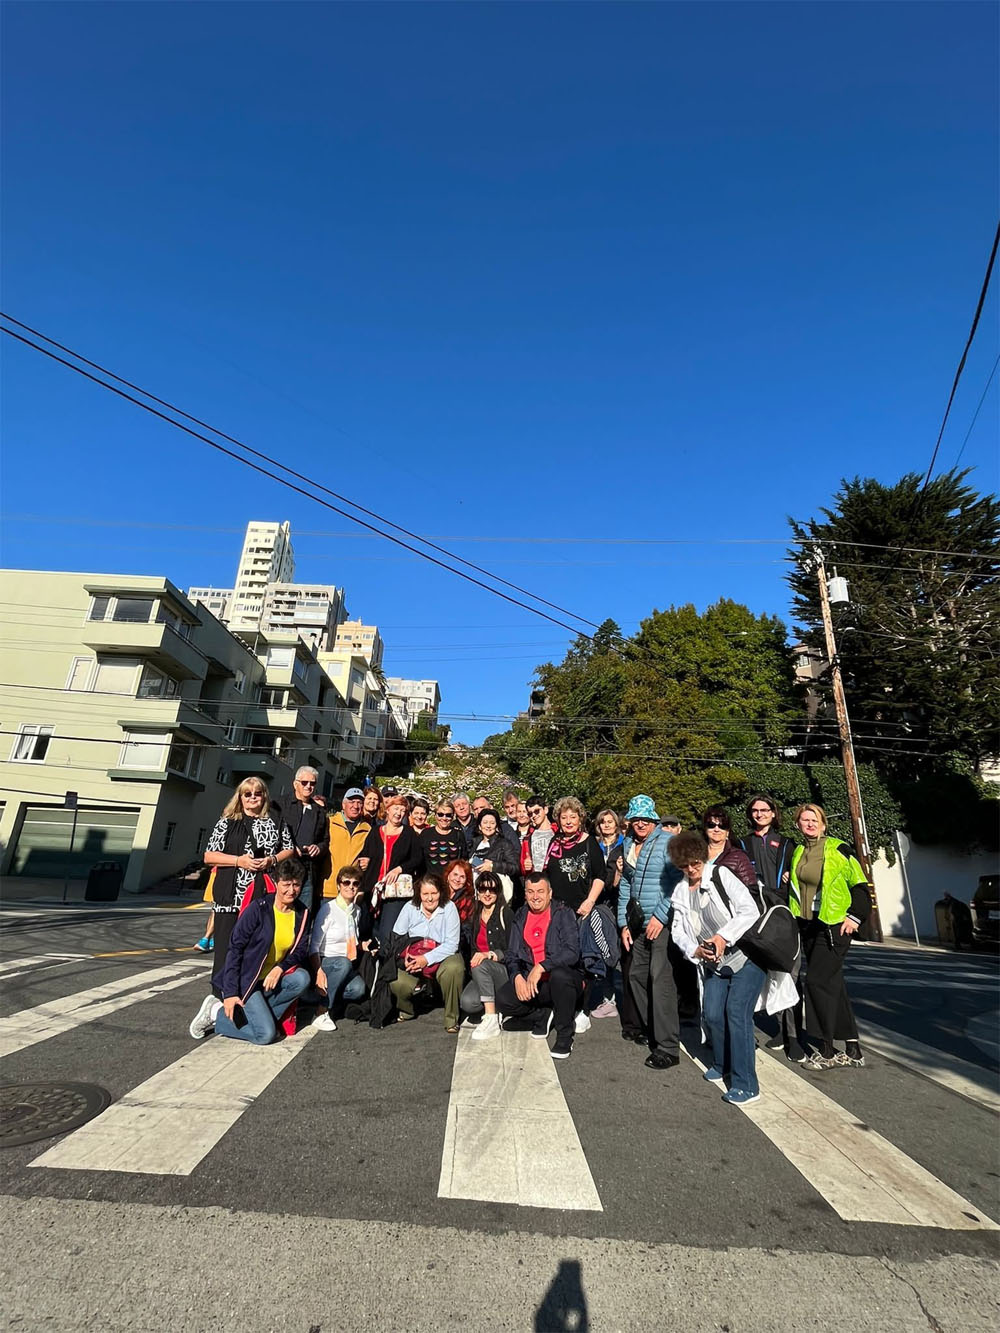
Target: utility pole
(874, 928)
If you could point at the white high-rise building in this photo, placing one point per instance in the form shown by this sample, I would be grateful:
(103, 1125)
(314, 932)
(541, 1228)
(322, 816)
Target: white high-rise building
(267, 557)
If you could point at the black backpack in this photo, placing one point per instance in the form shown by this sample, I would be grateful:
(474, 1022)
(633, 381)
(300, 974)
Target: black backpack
(772, 942)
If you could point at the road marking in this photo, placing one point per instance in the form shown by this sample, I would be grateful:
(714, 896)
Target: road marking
(10, 966)
(968, 1080)
(168, 1124)
(509, 1136)
(140, 953)
(863, 1176)
(29, 1026)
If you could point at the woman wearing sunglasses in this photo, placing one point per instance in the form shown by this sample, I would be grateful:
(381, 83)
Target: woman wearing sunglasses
(721, 852)
(443, 843)
(484, 942)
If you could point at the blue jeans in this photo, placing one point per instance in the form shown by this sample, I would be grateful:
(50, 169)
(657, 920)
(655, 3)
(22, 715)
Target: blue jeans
(339, 982)
(262, 1010)
(727, 1009)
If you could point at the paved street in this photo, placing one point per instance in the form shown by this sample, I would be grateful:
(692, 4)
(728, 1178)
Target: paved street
(418, 1176)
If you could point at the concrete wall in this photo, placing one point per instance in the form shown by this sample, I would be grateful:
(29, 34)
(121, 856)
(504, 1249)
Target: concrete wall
(932, 872)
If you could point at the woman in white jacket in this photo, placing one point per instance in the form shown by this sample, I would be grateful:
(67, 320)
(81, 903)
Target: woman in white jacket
(339, 932)
(705, 928)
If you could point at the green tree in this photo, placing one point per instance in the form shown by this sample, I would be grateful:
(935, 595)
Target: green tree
(918, 643)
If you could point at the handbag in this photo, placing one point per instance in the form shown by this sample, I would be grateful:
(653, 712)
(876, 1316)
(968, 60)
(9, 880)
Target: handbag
(634, 918)
(401, 887)
(772, 942)
(417, 947)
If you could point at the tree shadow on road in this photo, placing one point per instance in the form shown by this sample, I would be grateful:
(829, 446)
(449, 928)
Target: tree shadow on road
(564, 1309)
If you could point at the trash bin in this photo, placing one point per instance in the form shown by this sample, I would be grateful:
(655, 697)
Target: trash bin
(104, 882)
(945, 926)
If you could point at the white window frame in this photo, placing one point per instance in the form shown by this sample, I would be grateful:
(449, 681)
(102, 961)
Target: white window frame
(38, 730)
(162, 739)
(77, 661)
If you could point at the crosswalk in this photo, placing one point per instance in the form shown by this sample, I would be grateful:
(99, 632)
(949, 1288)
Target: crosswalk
(531, 1156)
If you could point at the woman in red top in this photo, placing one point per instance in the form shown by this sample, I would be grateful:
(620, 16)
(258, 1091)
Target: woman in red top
(484, 942)
(458, 876)
(402, 854)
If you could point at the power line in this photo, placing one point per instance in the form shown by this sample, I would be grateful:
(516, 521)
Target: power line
(283, 481)
(975, 415)
(918, 499)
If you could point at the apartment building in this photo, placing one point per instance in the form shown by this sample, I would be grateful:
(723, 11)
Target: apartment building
(311, 610)
(267, 557)
(121, 690)
(355, 637)
(409, 699)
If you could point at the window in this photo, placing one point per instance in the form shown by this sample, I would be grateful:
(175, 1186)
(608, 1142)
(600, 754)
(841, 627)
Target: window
(272, 697)
(229, 735)
(300, 668)
(115, 676)
(155, 685)
(80, 672)
(168, 837)
(179, 756)
(32, 744)
(133, 610)
(239, 681)
(99, 607)
(143, 750)
(222, 777)
(280, 657)
(199, 842)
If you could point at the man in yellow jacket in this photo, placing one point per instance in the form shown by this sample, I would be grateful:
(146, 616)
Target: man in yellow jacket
(350, 837)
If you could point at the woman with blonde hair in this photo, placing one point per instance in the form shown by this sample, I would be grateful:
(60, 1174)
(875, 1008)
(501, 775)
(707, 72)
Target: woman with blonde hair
(828, 891)
(246, 843)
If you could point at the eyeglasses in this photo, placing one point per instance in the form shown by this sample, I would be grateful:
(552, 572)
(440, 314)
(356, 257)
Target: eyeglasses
(350, 884)
(714, 823)
(253, 795)
(302, 782)
(444, 814)
(486, 889)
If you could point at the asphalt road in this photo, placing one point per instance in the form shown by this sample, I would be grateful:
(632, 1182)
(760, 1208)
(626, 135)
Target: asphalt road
(334, 1170)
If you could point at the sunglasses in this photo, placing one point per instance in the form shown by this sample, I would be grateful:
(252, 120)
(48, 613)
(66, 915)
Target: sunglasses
(350, 884)
(714, 823)
(303, 783)
(445, 814)
(487, 888)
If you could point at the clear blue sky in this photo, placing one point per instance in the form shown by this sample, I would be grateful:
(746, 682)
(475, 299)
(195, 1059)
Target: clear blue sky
(512, 271)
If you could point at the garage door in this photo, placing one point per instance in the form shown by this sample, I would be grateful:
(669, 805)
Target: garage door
(42, 848)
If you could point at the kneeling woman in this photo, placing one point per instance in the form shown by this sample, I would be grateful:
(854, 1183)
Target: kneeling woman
(430, 918)
(342, 928)
(266, 965)
(485, 937)
(705, 927)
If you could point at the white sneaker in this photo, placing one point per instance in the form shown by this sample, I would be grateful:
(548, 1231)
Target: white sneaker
(489, 1027)
(204, 1019)
(581, 1023)
(324, 1022)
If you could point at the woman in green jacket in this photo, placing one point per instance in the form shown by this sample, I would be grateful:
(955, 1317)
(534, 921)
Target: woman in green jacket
(828, 891)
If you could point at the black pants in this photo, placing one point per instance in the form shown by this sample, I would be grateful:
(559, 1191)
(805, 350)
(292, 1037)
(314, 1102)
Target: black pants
(828, 1010)
(655, 990)
(559, 992)
(223, 929)
(631, 1022)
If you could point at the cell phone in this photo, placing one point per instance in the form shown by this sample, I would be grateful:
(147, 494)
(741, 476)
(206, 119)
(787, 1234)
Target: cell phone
(709, 948)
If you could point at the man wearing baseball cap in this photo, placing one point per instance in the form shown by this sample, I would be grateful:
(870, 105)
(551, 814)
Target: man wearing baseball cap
(643, 919)
(353, 840)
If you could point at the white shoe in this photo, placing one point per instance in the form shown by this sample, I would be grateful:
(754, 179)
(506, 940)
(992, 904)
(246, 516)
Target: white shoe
(204, 1019)
(324, 1022)
(489, 1027)
(581, 1023)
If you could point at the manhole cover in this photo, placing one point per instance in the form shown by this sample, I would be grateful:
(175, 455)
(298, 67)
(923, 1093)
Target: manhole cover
(30, 1111)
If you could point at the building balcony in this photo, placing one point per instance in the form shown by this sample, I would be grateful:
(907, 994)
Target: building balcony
(157, 643)
(172, 715)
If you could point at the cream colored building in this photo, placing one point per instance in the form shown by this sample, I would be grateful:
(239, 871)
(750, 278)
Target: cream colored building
(121, 690)
(355, 637)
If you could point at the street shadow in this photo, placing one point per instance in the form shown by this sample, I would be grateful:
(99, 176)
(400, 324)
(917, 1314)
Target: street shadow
(564, 1309)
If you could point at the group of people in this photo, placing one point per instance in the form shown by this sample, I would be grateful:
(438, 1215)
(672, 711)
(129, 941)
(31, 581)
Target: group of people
(522, 917)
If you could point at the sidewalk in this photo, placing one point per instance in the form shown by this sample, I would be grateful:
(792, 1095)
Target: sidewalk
(23, 891)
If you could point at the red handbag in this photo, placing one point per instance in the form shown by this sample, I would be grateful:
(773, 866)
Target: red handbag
(417, 947)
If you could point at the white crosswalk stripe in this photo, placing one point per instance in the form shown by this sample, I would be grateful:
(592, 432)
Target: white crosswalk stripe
(510, 1137)
(168, 1124)
(975, 1082)
(30, 1026)
(861, 1175)
(11, 967)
